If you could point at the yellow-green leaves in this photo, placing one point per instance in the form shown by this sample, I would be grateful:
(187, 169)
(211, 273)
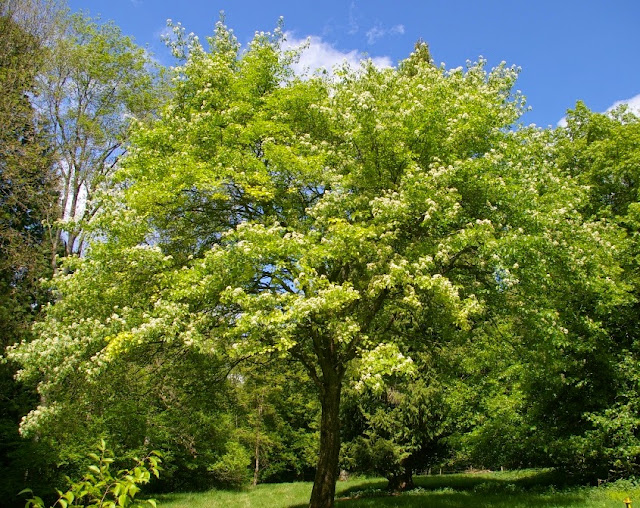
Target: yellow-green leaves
(269, 207)
(325, 219)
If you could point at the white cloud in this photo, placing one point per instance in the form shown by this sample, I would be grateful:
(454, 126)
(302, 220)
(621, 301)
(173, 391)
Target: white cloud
(318, 53)
(377, 32)
(322, 55)
(633, 103)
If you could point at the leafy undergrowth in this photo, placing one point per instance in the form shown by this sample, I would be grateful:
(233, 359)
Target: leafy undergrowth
(514, 489)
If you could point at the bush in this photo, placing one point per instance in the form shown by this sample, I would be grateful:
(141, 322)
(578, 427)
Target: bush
(99, 488)
(232, 468)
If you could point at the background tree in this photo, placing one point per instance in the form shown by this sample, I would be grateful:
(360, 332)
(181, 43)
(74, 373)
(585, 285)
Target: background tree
(46, 85)
(399, 427)
(27, 182)
(279, 415)
(486, 393)
(27, 195)
(603, 152)
(536, 399)
(96, 82)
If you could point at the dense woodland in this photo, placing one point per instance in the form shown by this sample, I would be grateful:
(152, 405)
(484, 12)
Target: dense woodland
(269, 277)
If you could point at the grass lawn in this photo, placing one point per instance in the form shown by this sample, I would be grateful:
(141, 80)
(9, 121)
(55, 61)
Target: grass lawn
(520, 489)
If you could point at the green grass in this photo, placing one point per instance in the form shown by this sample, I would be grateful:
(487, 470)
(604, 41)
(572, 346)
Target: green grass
(521, 489)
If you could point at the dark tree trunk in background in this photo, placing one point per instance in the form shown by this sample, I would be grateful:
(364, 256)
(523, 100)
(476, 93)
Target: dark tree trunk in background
(402, 481)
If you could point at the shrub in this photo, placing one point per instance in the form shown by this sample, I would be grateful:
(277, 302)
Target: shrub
(232, 468)
(99, 488)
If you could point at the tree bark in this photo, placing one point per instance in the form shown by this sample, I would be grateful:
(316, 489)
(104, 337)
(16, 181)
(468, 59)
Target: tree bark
(256, 471)
(324, 486)
(401, 481)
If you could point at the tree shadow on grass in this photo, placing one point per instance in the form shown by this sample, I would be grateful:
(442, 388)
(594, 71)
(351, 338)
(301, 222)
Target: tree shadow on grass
(535, 490)
(447, 499)
(509, 481)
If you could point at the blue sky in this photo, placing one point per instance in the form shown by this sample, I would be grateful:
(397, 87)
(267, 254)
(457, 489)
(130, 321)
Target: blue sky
(567, 49)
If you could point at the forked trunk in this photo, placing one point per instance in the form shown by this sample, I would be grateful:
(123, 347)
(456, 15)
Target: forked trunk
(324, 486)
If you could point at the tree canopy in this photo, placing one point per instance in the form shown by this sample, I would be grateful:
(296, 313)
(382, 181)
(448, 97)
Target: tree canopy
(347, 222)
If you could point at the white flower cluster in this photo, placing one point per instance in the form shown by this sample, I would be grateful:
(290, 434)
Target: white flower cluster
(382, 361)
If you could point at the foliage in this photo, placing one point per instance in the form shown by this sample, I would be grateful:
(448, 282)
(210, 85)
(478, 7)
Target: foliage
(279, 413)
(399, 430)
(27, 194)
(232, 469)
(485, 391)
(26, 178)
(324, 220)
(63, 82)
(603, 150)
(100, 488)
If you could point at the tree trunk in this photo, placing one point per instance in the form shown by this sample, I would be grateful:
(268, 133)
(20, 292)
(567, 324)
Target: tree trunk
(401, 481)
(324, 485)
(256, 471)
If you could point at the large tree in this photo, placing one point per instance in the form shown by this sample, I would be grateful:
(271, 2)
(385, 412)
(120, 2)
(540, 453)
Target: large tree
(322, 220)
